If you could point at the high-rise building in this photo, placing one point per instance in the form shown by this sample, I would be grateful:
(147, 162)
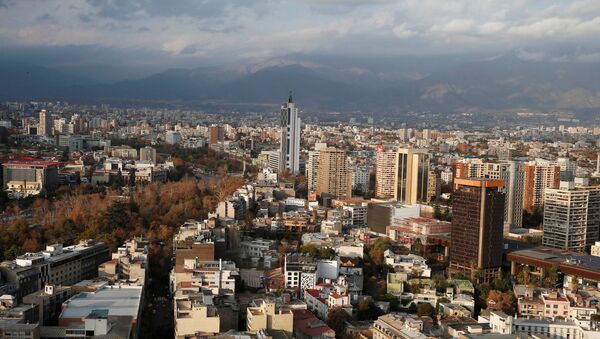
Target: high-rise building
(385, 174)
(45, 125)
(539, 175)
(215, 135)
(513, 176)
(312, 166)
(333, 177)
(412, 170)
(477, 225)
(289, 148)
(434, 185)
(571, 217)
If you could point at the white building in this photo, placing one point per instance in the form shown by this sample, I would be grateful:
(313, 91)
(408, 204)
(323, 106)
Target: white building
(571, 221)
(289, 149)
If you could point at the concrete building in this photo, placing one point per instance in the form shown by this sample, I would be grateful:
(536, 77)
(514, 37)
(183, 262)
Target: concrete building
(27, 177)
(215, 135)
(104, 302)
(234, 208)
(396, 326)
(334, 178)
(300, 271)
(312, 167)
(264, 314)
(477, 225)
(45, 124)
(385, 174)
(49, 301)
(148, 154)
(194, 316)
(216, 276)
(595, 249)
(434, 186)
(68, 265)
(360, 178)
(539, 175)
(513, 175)
(289, 138)
(571, 217)
(172, 137)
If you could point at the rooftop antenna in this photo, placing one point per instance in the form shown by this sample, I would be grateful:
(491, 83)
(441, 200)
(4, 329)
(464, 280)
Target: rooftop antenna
(290, 98)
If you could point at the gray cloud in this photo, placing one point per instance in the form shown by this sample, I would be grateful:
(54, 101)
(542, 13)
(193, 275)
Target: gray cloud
(181, 31)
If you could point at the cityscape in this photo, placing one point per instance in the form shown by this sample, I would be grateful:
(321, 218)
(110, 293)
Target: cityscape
(236, 183)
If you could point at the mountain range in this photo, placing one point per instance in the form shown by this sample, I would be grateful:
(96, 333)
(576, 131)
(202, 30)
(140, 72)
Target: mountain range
(537, 79)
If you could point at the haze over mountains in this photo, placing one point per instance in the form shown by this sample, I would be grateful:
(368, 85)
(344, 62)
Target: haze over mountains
(548, 79)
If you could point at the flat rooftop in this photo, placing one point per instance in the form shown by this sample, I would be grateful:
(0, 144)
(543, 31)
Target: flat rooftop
(117, 300)
(573, 263)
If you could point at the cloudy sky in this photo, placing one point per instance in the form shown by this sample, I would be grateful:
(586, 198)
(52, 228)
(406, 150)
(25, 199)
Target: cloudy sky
(184, 32)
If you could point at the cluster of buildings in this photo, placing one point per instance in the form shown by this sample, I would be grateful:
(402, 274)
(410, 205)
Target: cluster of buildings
(74, 292)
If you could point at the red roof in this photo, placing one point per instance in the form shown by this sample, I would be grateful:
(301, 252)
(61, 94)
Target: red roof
(313, 327)
(336, 295)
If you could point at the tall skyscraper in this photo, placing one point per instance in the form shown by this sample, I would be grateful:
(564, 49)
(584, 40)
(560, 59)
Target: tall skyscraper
(513, 176)
(477, 223)
(45, 125)
(289, 147)
(333, 177)
(539, 175)
(571, 217)
(411, 175)
(385, 174)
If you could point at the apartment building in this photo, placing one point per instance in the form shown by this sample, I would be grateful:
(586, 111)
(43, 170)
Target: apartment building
(263, 314)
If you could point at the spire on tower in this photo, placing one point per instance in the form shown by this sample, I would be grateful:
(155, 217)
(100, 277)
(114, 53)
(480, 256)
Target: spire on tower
(290, 98)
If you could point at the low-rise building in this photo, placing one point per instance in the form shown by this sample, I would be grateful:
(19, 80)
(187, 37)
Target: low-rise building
(264, 314)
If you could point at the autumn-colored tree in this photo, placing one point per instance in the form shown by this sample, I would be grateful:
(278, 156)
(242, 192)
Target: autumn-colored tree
(501, 301)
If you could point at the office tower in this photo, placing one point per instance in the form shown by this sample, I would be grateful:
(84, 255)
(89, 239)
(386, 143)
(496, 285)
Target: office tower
(215, 135)
(148, 154)
(539, 175)
(513, 176)
(289, 148)
(477, 222)
(312, 166)
(45, 125)
(571, 217)
(385, 174)
(411, 175)
(333, 177)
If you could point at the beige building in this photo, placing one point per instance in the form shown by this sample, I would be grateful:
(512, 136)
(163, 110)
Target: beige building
(385, 174)
(194, 317)
(312, 166)
(266, 315)
(396, 326)
(333, 176)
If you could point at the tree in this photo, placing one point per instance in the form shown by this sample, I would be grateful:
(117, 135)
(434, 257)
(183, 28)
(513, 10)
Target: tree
(367, 310)
(336, 319)
(501, 301)
(425, 310)
(440, 283)
(523, 277)
(551, 278)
